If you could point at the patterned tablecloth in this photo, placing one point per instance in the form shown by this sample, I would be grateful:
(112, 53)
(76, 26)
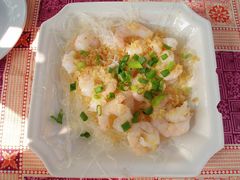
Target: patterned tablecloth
(17, 161)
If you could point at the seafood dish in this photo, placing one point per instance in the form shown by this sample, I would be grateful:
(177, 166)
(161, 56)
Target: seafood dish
(129, 86)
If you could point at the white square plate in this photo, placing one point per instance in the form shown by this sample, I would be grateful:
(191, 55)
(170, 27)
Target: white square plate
(191, 151)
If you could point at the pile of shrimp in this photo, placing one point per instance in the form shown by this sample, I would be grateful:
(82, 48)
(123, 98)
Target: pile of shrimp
(137, 88)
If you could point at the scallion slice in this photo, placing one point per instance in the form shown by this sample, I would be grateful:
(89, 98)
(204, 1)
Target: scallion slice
(148, 111)
(99, 110)
(59, 117)
(151, 74)
(125, 58)
(134, 64)
(83, 116)
(142, 59)
(98, 89)
(142, 80)
(170, 65)
(148, 95)
(135, 117)
(110, 96)
(165, 46)
(135, 57)
(134, 88)
(73, 86)
(157, 100)
(164, 56)
(153, 61)
(165, 73)
(80, 65)
(125, 76)
(140, 90)
(155, 84)
(85, 134)
(126, 126)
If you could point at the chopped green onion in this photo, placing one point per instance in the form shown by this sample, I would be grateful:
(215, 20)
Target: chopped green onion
(140, 90)
(122, 65)
(150, 74)
(85, 134)
(161, 85)
(164, 56)
(165, 46)
(125, 76)
(59, 117)
(135, 117)
(73, 86)
(99, 110)
(110, 69)
(156, 100)
(148, 95)
(84, 53)
(153, 61)
(98, 58)
(155, 85)
(83, 116)
(134, 65)
(122, 87)
(126, 126)
(142, 59)
(143, 70)
(134, 88)
(110, 96)
(142, 80)
(123, 62)
(165, 73)
(98, 89)
(135, 57)
(152, 54)
(119, 69)
(125, 58)
(80, 65)
(97, 96)
(148, 111)
(170, 65)
(157, 77)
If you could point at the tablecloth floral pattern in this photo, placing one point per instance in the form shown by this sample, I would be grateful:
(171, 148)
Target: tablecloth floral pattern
(18, 162)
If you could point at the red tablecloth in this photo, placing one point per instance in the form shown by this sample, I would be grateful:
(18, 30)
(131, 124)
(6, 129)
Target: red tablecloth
(17, 161)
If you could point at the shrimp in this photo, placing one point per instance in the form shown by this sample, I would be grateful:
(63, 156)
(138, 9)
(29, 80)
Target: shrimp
(179, 114)
(175, 122)
(86, 84)
(85, 41)
(156, 45)
(169, 129)
(89, 77)
(68, 62)
(171, 42)
(132, 30)
(114, 114)
(175, 73)
(143, 138)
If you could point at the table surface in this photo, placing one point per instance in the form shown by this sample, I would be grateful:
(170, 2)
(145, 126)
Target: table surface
(17, 161)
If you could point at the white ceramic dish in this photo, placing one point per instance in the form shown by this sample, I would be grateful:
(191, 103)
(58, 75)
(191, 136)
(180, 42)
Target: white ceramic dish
(12, 20)
(192, 150)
